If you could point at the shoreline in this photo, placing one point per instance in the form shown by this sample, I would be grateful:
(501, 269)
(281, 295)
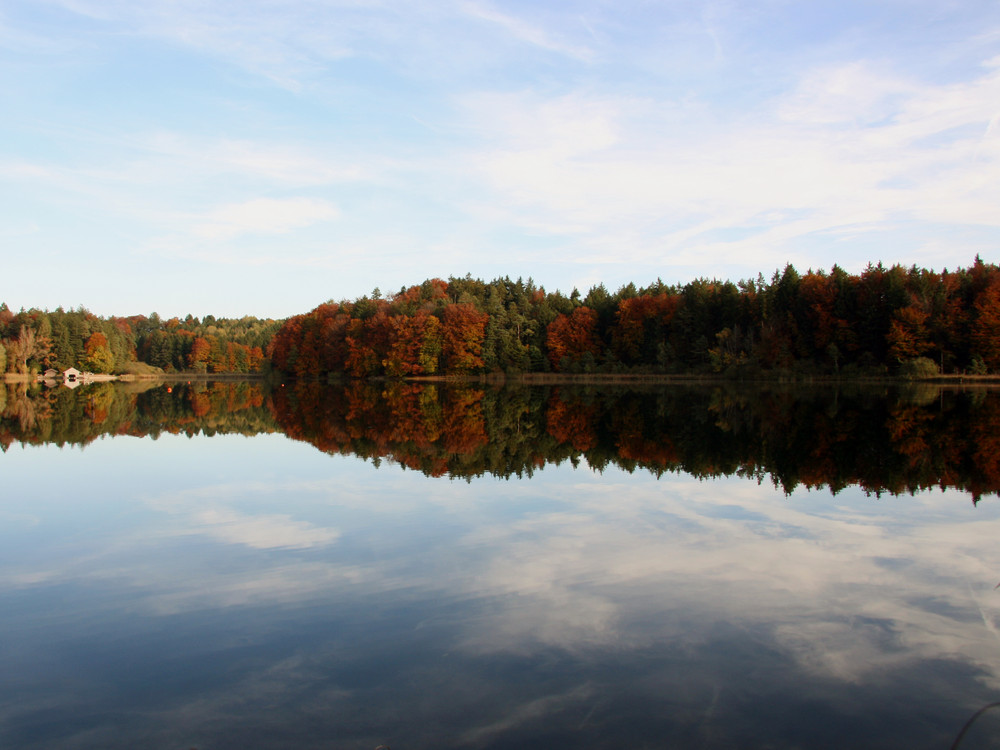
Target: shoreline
(667, 379)
(544, 378)
(9, 377)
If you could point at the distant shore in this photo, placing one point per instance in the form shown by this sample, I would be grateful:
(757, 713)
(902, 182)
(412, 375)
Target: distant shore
(166, 377)
(545, 378)
(551, 378)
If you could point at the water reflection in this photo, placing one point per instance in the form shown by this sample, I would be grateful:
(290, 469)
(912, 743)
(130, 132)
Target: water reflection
(224, 591)
(881, 439)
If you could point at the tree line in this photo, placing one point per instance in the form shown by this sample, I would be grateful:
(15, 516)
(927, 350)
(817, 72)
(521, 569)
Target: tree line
(884, 320)
(34, 340)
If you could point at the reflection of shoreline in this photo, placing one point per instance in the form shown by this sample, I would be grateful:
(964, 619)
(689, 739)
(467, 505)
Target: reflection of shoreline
(173, 377)
(885, 439)
(894, 440)
(546, 378)
(33, 414)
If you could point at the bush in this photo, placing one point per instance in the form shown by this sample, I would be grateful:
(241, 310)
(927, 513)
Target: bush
(918, 368)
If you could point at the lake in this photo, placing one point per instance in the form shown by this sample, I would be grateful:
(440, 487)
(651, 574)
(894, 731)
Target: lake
(225, 566)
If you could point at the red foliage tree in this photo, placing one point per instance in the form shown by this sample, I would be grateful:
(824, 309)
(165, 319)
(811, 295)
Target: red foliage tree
(985, 333)
(908, 336)
(283, 349)
(463, 329)
(96, 341)
(414, 345)
(201, 349)
(570, 337)
(817, 295)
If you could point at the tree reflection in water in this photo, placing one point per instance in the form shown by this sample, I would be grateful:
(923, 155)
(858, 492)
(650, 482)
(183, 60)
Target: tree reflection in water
(262, 593)
(883, 439)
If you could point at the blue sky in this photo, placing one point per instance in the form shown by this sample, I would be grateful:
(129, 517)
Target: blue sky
(261, 157)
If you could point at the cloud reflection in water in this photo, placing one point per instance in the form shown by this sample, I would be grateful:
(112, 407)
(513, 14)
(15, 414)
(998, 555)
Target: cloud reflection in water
(311, 599)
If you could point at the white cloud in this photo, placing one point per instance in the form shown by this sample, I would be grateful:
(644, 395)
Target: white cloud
(851, 94)
(579, 142)
(264, 215)
(661, 564)
(849, 148)
(180, 156)
(590, 574)
(22, 170)
(261, 531)
(209, 511)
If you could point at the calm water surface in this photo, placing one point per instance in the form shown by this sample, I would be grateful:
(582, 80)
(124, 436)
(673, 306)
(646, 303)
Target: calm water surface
(254, 592)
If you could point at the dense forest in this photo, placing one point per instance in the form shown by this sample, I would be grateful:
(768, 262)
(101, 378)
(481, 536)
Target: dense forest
(33, 340)
(910, 322)
(883, 321)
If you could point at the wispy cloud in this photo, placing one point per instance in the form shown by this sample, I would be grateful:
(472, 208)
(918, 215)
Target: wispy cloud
(278, 43)
(576, 578)
(211, 511)
(528, 712)
(848, 147)
(524, 31)
(260, 531)
(282, 163)
(264, 215)
(577, 143)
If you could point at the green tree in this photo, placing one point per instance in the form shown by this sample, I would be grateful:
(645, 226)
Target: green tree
(99, 356)
(100, 360)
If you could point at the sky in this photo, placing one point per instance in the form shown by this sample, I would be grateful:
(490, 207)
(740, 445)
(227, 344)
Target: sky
(261, 157)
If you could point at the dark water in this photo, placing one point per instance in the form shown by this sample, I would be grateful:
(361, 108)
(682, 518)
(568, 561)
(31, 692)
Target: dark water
(175, 572)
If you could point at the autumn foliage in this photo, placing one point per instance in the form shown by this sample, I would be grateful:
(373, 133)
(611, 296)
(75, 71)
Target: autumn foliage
(898, 442)
(882, 321)
(419, 427)
(420, 331)
(572, 337)
(35, 340)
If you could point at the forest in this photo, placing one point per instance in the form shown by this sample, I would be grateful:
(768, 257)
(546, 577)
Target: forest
(883, 321)
(34, 340)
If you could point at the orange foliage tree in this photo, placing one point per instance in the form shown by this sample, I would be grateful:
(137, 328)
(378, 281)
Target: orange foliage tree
(463, 329)
(908, 336)
(985, 333)
(571, 337)
(414, 345)
(200, 351)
